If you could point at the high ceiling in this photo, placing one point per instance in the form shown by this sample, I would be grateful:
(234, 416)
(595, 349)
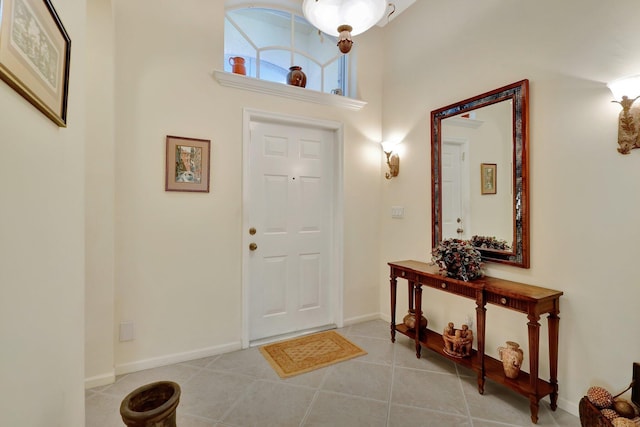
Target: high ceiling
(400, 6)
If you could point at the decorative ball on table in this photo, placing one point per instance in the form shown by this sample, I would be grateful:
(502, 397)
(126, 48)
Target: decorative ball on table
(459, 259)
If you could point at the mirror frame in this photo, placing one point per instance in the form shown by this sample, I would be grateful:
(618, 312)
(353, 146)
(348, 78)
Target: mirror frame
(518, 93)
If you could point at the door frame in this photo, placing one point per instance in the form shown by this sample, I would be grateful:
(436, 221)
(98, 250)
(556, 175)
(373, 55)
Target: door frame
(336, 268)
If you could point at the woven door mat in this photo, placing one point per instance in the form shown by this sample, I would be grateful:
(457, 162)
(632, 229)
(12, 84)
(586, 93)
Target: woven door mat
(299, 355)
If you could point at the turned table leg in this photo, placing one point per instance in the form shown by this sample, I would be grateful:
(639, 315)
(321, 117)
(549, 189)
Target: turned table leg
(418, 314)
(534, 359)
(534, 406)
(481, 314)
(554, 326)
(394, 285)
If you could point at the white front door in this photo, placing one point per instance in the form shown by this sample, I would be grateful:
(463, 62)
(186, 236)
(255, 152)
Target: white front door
(455, 205)
(291, 213)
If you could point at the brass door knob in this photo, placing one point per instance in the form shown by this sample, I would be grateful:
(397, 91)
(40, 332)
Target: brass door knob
(253, 246)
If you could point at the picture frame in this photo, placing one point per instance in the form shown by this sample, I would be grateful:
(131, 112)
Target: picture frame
(35, 51)
(187, 165)
(488, 175)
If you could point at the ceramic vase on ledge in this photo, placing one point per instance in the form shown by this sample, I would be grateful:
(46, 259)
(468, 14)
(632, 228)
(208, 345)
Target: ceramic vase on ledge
(237, 65)
(511, 357)
(296, 77)
(410, 321)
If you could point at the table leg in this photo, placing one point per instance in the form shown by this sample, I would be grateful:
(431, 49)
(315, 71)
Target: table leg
(481, 312)
(534, 357)
(534, 406)
(394, 286)
(554, 326)
(411, 300)
(418, 314)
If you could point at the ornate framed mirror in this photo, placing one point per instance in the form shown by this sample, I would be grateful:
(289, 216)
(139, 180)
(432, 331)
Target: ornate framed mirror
(479, 173)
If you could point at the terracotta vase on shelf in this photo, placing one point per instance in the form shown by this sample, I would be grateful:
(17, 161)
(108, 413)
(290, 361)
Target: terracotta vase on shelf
(410, 321)
(237, 65)
(296, 77)
(511, 357)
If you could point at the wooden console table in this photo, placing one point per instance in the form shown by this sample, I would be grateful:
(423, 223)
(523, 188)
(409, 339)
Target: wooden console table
(530, 300)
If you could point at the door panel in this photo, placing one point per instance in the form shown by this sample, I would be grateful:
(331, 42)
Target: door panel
(290, 195)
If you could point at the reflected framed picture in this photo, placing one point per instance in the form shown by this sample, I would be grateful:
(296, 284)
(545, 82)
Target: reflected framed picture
(35, 51)
(187, 167)
(488, 172)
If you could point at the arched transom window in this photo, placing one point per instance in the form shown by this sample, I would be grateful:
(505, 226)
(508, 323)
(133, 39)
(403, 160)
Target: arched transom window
(272, 40)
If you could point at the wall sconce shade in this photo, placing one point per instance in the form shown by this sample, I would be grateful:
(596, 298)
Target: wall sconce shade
(343, 18)
(625, 92)
(393, 160)
(629, 87)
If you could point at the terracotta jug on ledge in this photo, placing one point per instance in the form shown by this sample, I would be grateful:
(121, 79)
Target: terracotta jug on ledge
(237, 65)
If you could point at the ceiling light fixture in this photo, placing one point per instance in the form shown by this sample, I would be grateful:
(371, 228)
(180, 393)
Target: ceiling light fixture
(343, 18)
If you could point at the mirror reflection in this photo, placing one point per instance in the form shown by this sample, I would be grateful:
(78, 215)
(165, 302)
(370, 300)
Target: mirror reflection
(479, 174)
(477, 190)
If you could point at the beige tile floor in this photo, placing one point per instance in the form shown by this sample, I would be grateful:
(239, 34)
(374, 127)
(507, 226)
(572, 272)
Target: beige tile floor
(387, 387)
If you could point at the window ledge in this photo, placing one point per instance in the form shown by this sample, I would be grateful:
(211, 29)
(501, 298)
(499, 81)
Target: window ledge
(286, 91)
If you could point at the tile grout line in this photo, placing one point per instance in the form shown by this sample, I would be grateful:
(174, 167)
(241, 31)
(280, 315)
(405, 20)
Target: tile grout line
(464, 396)
(315, 397)
(393, 374)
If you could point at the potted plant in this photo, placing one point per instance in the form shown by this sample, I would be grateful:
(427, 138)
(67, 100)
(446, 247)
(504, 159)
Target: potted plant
(458, 258)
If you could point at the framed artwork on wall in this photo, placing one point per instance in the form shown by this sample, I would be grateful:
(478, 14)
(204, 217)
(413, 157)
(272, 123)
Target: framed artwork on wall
(488, 173)
(35, 51)
(187, 166)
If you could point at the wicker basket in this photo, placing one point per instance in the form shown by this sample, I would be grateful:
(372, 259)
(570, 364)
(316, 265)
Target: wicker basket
(590, 416)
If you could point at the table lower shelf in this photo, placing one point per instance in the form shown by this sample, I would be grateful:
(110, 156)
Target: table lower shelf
(492, 367)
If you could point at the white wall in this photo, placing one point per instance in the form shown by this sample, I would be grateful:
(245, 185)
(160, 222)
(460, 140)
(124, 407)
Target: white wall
(99, 196)
(42, 251)
(178, 255)
(583, 192)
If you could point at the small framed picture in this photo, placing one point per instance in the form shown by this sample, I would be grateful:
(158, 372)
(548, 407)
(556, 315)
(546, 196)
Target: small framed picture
(488, 172)
(187, 164)
(35, 50)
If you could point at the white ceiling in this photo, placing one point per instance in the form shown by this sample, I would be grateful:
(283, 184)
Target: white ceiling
(400, 5)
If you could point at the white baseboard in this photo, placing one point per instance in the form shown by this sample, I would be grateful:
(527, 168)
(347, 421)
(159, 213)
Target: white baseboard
(359, 319)
(568, 406)
(155, 362)
(385, 317)
(99, 380)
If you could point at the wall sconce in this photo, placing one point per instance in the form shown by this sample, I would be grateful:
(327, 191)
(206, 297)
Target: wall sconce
(627, 90)
(393, 160)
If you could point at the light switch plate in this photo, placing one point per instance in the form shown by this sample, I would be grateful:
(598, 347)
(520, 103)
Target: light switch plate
(397, 212)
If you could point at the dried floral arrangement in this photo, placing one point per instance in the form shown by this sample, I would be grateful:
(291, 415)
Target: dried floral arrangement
(458, 259)
(489, 242)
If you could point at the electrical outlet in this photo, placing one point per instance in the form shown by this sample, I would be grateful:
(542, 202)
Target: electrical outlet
(126, 331)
